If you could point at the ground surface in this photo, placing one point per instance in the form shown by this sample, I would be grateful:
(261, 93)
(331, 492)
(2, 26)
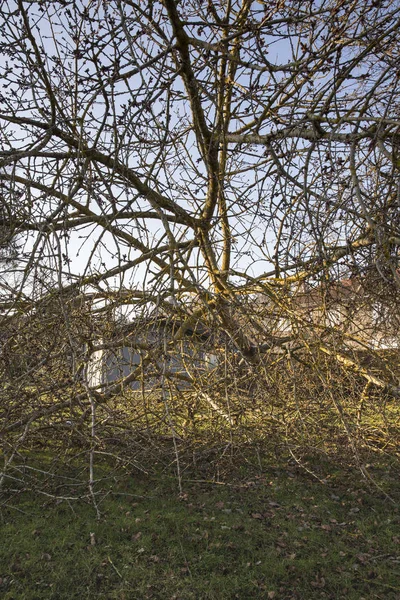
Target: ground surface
(278, 533)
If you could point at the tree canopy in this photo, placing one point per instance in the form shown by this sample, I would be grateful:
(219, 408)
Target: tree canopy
(195, 156)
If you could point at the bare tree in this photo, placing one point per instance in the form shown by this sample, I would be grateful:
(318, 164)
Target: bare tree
(206, 163)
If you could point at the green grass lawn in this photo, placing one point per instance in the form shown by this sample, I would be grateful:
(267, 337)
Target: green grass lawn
(276, 534)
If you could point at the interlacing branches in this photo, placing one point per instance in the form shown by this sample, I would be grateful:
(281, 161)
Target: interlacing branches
(202, 183)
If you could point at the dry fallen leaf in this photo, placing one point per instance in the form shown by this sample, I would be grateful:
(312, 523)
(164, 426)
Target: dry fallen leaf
(46, 556)
(154, 558)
